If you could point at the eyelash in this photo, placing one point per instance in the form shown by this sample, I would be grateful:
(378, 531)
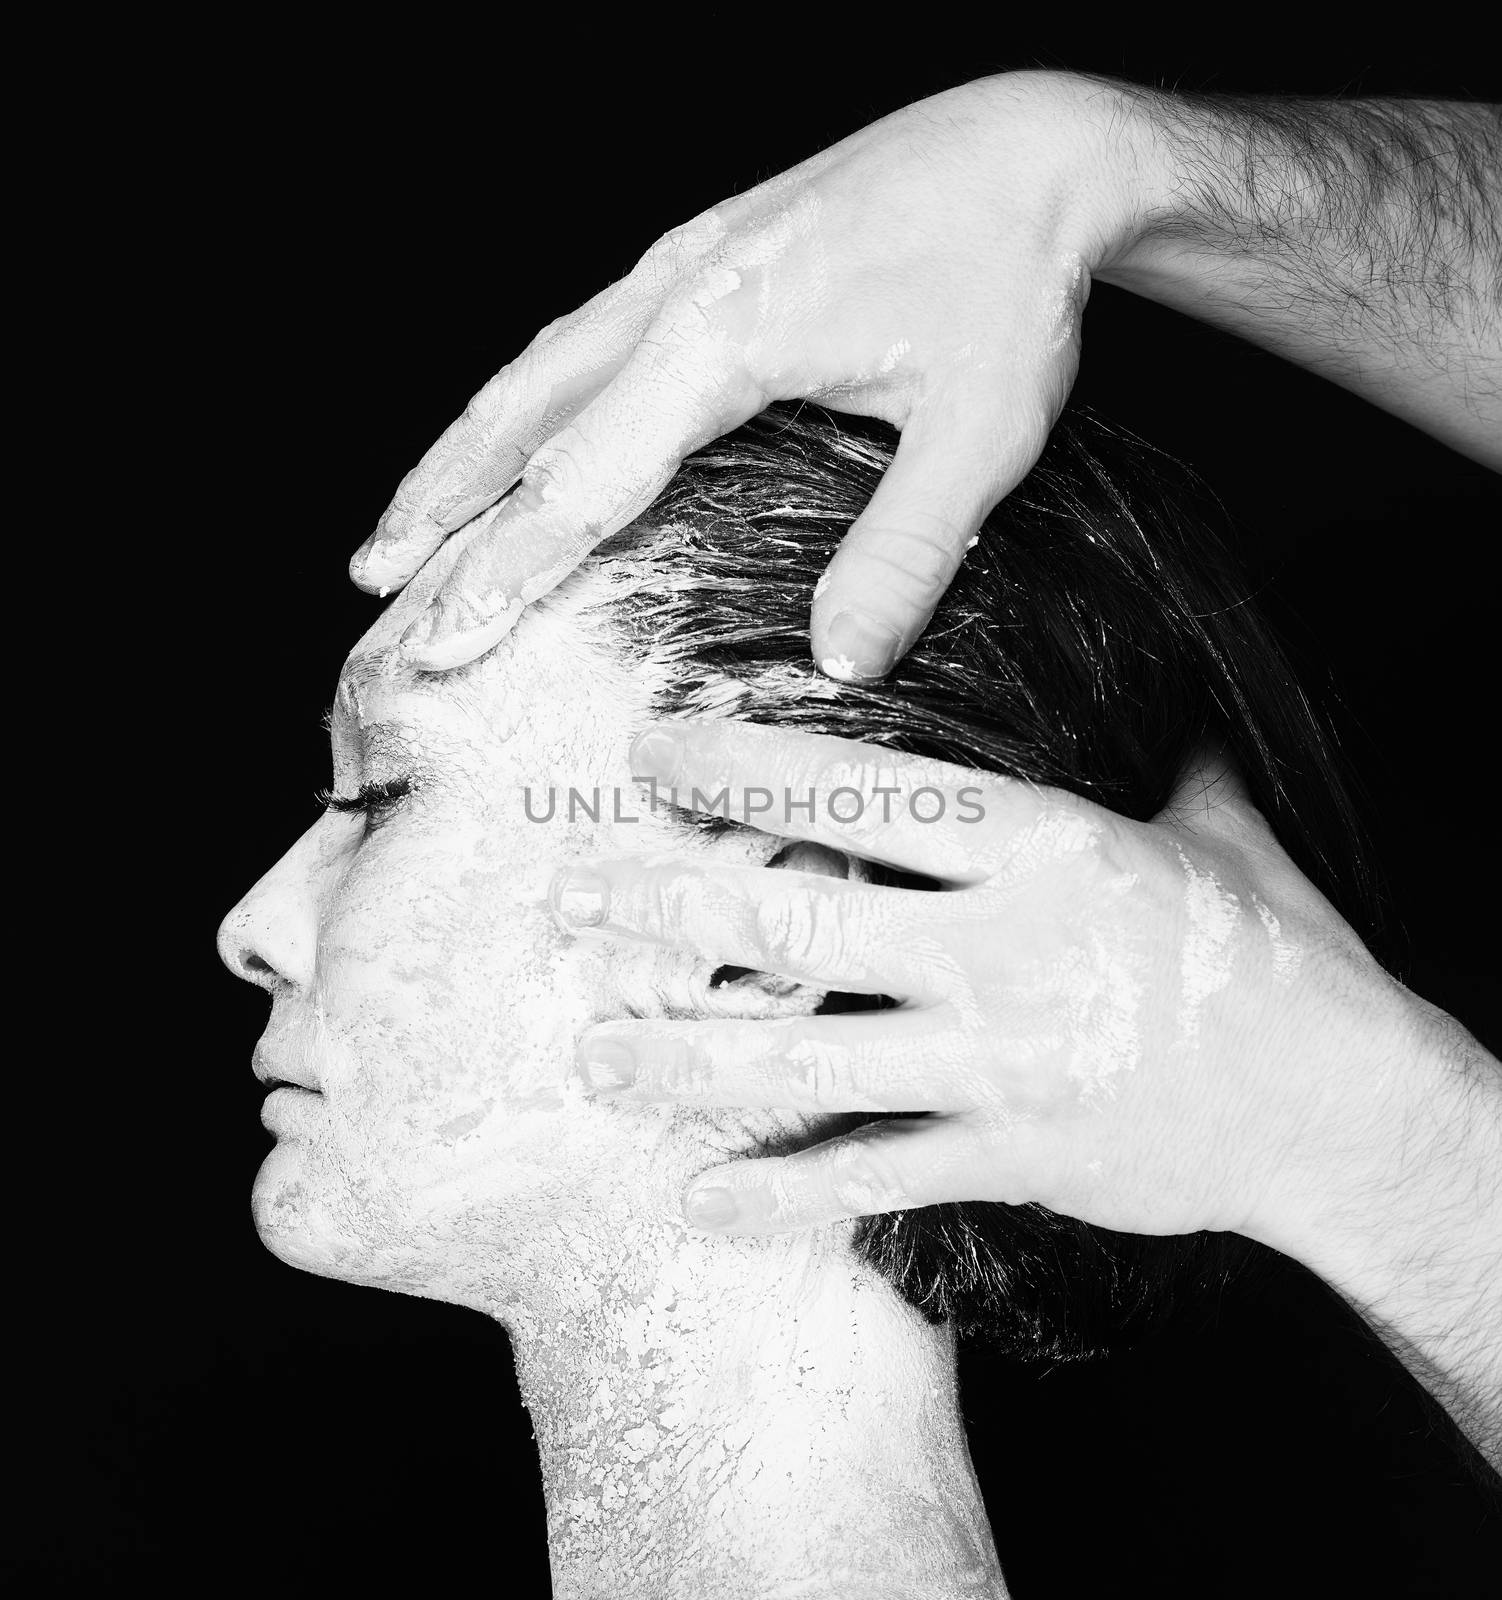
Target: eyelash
(375, 801)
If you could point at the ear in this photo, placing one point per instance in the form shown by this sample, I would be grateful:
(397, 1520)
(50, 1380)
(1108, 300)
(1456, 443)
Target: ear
(803, 856)
(652, 981)
(741, 992)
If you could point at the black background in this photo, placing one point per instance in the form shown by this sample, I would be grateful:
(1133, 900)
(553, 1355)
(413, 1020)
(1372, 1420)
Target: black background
(329, 243)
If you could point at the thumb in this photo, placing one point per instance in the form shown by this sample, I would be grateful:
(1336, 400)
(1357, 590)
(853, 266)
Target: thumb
(957, 458)
(893, 1165)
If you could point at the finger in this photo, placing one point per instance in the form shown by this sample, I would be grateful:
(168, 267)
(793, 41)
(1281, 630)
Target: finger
(909, 812)
(483, 452)
(685, 383)
(829, 932)
(884, 1166)
(958, 456)
(906, 1059)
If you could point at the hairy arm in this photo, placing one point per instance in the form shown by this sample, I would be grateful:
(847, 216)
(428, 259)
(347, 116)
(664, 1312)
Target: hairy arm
(932, 270)
(1359, 238)
(1363, 240)
(1410, 1232)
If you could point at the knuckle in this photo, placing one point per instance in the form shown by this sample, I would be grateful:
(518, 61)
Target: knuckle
(1023, 431)
(546, 334)
(687, 242)
(865, 1178)
(546, 476)
(569, 468)
(684, 316)
(394, 523)
(481, 404)
(679, 1077)
(813, 1076)
(704, 298)
(800, 927)
(678, 244)
(672, 905)
(494, 402)
(921, 556)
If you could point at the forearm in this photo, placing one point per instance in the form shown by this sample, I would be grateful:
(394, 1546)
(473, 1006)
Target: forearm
(1410, 1232)
(1359, 238)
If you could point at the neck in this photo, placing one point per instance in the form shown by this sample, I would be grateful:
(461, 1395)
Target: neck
(746, 1417)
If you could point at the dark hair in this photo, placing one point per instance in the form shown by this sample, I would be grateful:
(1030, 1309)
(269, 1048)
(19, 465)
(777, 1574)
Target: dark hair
(1094, 637)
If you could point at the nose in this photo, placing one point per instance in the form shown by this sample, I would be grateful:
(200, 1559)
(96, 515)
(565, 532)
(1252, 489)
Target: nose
(271, 937)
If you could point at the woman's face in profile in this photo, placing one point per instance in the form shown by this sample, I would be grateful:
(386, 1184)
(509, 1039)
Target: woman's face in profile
(423, 1000)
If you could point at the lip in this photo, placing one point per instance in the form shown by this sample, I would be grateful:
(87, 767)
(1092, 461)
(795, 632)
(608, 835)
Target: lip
(288, 1112)
(278, 1075)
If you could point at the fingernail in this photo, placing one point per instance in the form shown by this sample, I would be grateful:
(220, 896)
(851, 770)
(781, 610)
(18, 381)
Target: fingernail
(372, 564)
(420, 631)
(449, 615)
(709, 1208)
(579, 898)
(361, 556)
(391, 555)
(453, 632)
(607, 1064)
(860, 647)
(657, 752)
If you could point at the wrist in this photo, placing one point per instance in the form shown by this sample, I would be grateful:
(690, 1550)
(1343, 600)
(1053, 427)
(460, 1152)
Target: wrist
(1407, 1205)
(1417, 1249)
(1092, 149)
(1224, 203)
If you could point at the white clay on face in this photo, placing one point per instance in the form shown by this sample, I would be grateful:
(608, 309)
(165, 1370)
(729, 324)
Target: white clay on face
(713, 1415)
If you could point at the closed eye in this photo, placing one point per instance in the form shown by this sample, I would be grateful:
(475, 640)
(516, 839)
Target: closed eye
(373, 799)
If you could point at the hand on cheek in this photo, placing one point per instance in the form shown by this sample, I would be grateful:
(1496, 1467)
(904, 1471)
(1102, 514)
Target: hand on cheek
(1154, 1027)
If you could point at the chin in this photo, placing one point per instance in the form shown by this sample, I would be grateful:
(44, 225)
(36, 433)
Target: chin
(292, 1222)
(298, 1225)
